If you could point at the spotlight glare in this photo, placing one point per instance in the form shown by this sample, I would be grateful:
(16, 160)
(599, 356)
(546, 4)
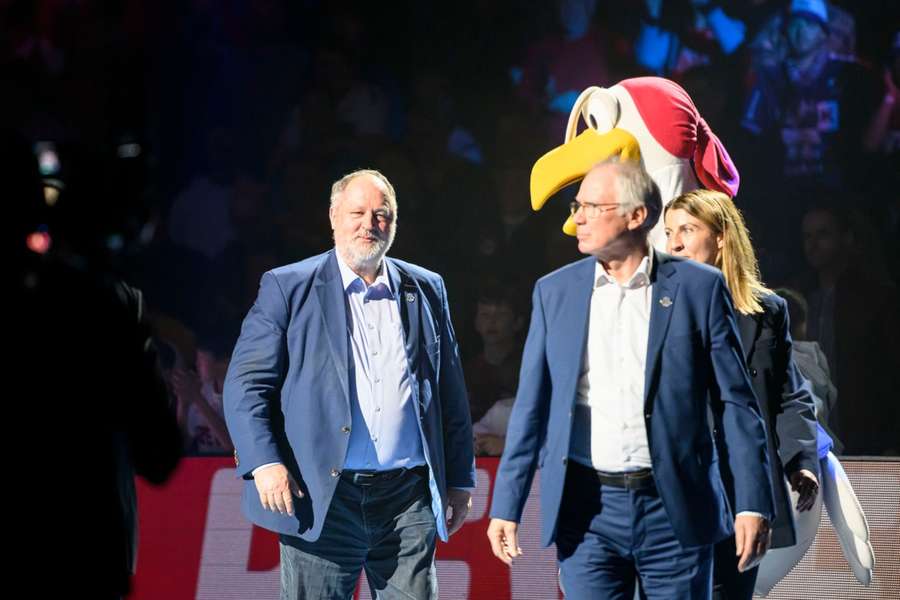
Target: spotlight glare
(131, 150)
(51, 195)
(39, 242)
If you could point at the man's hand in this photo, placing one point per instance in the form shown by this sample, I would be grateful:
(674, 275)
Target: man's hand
(277, 489)
(504, 536)
(804, 482)
(489, 445)
(751, 539)
(459, 503)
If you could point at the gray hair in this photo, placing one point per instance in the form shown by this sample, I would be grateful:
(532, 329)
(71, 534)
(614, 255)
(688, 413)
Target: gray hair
(386, 188)
(635, 188)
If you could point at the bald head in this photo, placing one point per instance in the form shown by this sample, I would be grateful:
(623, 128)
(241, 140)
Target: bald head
(376, 178)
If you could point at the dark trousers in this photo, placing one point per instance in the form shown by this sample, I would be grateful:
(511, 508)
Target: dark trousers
(386, 528)
(728, 583)
(609, 536)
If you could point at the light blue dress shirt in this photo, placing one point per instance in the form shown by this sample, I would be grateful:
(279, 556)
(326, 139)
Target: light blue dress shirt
(384, 430)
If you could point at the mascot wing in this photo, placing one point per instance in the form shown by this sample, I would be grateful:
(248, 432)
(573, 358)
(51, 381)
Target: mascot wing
(847, 518)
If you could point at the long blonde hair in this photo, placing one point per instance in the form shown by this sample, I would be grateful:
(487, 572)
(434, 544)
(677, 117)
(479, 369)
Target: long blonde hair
(736, 257)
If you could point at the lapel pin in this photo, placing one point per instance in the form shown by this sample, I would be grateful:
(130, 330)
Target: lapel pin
(410, 297)
(665, 301)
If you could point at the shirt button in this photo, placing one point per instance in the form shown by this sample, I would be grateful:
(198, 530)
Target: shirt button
(377, 409)
(377, 380)
(370, 326)
(345, 429)
(753, 371)
(374, 352)
(335, 472)
(375, 438)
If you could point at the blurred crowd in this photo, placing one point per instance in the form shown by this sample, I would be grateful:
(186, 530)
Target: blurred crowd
(192, 146)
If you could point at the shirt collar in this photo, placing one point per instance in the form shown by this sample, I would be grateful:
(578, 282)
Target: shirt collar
(640, 277)
(349, 278)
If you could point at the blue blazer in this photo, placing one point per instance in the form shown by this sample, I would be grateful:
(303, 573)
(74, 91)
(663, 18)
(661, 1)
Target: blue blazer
(694, 367)
(287, 397)
(786, 404)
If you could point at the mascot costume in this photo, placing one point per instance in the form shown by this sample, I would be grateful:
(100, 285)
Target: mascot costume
(650, 119)
(654, 120)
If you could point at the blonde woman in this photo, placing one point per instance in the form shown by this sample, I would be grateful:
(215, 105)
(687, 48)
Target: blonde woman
(705, 226)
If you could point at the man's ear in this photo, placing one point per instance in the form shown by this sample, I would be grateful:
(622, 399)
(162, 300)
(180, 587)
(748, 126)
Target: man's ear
(637, 217)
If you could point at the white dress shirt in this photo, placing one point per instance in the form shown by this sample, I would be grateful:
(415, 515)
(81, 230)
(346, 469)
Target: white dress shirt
(609, 432)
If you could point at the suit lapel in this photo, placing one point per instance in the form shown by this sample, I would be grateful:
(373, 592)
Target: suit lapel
(664, 279)
(409, 304)
(573, 331)
(750, 327)
(330, 293)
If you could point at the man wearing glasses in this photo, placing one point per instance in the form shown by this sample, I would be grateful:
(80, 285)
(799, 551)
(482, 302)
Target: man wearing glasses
(628, 351)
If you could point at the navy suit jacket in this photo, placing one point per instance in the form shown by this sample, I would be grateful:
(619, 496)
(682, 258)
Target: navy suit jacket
(694, 364)
(786, 404)
(287, 392)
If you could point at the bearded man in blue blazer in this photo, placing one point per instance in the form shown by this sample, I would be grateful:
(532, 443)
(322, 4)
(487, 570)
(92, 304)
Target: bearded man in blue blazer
(346, 404)
(632, 359)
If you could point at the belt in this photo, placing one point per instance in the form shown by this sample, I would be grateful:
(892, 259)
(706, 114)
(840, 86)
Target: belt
(641, 479)
(378, 477)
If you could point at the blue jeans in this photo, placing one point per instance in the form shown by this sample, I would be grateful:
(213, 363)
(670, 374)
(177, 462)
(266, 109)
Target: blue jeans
(606, 536)
(386, 528)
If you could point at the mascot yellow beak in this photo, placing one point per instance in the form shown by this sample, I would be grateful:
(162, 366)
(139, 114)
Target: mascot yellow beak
(570, 162)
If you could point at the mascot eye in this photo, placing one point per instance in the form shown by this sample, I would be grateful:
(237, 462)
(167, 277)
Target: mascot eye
(602, 111)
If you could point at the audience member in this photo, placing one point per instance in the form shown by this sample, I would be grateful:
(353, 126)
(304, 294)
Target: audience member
(855, 317)
(492, 375)
(810, 359)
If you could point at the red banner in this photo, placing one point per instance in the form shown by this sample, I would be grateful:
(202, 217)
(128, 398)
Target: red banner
(195, 544)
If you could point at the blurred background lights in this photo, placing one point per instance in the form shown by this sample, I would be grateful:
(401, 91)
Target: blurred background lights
(39, 242)
(130, 150)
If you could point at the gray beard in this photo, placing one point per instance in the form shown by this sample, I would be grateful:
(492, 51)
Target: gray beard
(360, 260)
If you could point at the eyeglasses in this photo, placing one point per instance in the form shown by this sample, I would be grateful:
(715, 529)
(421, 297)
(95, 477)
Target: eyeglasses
(591, 209)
